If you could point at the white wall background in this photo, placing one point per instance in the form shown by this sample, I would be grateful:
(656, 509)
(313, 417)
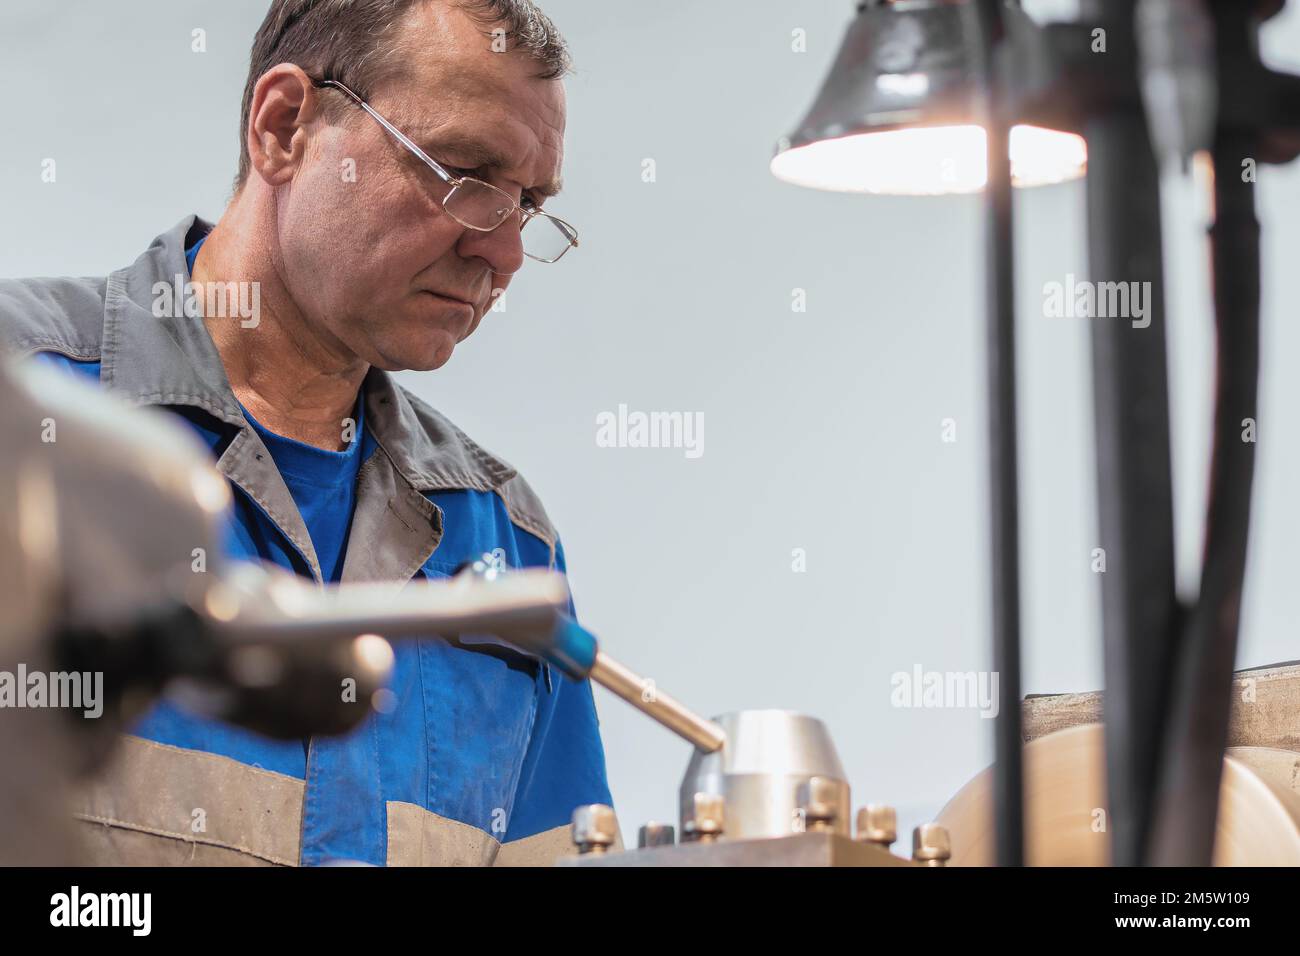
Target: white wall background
(822, 428)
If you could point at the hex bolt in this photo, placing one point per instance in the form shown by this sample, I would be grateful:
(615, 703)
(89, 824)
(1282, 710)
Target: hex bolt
(707, 823)
(819, 799)
(878, 824)
(931, 845)
(594, 828)
(653, 834)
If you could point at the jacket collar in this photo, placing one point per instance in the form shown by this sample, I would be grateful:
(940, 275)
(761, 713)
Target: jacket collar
(173, 361)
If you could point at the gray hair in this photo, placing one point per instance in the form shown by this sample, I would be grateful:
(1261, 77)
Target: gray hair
(346, 40)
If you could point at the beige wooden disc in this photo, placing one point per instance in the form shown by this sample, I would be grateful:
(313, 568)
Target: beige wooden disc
(1065, 800)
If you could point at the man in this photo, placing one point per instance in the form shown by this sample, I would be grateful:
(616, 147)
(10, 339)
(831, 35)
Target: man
(395, 158)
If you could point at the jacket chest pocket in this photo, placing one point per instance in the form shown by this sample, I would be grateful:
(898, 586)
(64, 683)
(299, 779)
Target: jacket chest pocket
(480, 704)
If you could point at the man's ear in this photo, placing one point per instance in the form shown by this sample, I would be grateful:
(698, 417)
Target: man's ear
(284, 102)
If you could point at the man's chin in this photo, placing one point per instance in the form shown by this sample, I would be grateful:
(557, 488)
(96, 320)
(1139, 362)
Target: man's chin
(425, 356)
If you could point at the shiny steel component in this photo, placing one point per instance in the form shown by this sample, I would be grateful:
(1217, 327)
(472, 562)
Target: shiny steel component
(594, 828)
(758, 771)
(575, 652)
(878, 824)
(261, 603)
(130, 510)
(108, 514)
(277, 632)
(818, 799)
(798, 849)
(931, 845)
(1066, 818)
(708, 818)
(654, 833)
(645, 697)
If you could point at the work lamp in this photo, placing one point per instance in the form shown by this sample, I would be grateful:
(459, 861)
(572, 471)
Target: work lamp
(899, 112)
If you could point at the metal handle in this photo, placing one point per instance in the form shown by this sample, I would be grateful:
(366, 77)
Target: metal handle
(704, 734)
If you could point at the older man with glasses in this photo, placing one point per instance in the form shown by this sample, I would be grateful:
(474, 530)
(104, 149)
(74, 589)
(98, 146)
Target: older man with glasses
(395, 159)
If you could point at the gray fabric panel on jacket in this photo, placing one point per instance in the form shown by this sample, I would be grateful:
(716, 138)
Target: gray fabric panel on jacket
(395, 528)
(420, 837)
(106, 845)
(64, 315)
(540, 849)
(427, 447)
(525, 510)
(157, 792)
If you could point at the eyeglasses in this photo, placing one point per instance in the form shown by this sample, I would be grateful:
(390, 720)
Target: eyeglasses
(478, 205)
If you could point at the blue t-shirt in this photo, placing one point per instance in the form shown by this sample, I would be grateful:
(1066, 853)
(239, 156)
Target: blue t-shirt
(324, 487)
(323, 483)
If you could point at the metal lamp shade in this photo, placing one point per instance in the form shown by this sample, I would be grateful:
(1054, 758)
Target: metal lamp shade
(899, 111)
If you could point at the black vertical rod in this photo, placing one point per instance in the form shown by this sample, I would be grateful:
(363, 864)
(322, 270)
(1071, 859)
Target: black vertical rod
(1140, 615)
(1198, 725)
(1188, 797)
(1140, 612)
(1008, 792)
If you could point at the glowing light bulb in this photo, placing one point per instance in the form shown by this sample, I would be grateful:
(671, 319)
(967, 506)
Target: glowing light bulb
(929, 160)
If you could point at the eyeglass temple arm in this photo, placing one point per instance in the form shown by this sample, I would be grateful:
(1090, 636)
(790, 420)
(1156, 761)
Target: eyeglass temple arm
(446, 177)
(397, 133)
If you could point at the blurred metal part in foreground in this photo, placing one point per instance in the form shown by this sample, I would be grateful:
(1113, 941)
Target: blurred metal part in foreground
(259, 603)
(102, 516)
(277, 631)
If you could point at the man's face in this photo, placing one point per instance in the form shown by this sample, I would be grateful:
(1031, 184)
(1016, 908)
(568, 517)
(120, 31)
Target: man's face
(370, 258)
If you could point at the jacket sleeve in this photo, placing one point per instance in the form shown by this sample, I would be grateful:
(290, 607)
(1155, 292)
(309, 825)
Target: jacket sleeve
(564, 766)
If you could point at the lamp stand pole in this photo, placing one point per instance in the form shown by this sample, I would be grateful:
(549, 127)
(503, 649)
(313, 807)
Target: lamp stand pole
(1140, 612)
(1008, 787)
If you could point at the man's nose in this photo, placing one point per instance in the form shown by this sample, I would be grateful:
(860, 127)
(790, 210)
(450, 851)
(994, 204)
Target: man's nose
(502, 248)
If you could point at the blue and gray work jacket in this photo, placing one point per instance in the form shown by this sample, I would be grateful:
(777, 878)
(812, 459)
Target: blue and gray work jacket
(484, 754)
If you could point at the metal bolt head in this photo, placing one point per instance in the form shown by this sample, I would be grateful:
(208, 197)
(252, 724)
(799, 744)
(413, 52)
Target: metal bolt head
(819, 798)
(930, 844)
(654, 833)
(878, 823)
(709, 817)
(594, 828)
